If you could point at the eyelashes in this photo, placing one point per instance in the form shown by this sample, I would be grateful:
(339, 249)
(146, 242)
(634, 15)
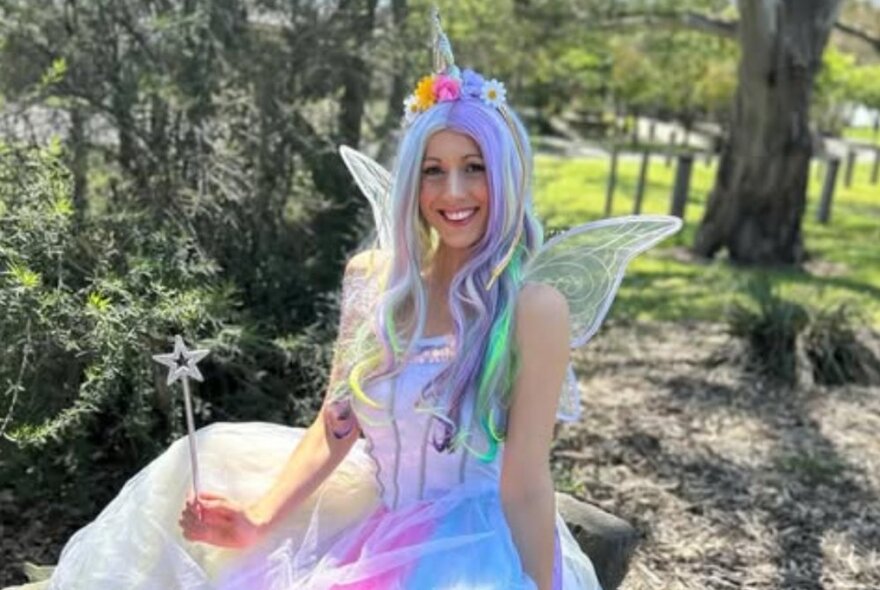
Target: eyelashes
(472, 168)
(432, 171)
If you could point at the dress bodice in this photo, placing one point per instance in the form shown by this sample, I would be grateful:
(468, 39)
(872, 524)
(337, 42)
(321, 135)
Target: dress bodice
(399, 435)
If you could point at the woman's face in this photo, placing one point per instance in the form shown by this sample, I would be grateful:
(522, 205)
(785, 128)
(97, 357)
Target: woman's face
(454, 191)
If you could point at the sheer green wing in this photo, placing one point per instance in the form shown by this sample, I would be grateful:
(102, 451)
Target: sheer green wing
(375, 183)
(586, 264)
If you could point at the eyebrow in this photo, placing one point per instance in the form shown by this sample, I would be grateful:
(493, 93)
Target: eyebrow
(466, 156)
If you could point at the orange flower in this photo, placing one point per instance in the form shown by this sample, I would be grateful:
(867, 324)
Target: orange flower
(425, 93)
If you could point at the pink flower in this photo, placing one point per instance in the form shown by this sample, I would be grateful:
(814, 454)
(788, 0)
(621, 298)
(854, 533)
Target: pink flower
(446, 88)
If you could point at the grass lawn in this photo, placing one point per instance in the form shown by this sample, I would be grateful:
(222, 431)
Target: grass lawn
(865, 134)
(666, 284)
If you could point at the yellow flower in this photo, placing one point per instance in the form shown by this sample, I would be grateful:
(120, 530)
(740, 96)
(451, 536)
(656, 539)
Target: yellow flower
(425, 93)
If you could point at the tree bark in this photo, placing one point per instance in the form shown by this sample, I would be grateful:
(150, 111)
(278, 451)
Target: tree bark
(356, 75)
(757, 205)
(79, 163)
(398, 85)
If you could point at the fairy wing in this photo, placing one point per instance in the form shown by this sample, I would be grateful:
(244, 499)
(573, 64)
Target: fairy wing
(586, 264)
(375, 183)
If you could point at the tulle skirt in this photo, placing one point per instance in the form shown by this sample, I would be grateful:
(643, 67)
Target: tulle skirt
(341, 538)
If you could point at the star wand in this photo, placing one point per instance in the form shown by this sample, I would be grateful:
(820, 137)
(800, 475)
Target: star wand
(182, 365)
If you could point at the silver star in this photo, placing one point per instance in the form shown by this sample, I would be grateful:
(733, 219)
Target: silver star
(182, 362)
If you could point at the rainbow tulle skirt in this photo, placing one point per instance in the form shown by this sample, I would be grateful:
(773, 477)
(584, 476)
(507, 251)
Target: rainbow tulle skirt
(342, 538)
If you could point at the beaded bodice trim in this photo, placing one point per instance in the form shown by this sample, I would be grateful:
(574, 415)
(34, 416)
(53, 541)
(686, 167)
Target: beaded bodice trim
(438, 349)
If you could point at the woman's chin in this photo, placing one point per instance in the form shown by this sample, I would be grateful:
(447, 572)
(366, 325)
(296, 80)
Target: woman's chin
(459, 242)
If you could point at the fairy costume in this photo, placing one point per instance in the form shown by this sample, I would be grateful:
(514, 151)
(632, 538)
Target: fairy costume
(400, 511)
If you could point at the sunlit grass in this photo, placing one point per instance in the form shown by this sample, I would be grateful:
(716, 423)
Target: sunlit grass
(665, 285)
(865, 134)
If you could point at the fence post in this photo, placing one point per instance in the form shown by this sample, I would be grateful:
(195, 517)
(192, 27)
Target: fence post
(875, 169)
(824, 212)
(640, 185)
(612, 181)
(682, 185)
(850, 165)
(672, 137)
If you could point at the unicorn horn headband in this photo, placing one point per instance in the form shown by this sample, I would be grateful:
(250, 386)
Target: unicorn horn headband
(447, 84)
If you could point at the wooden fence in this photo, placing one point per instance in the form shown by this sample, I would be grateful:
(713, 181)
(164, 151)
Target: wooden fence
(684, 166)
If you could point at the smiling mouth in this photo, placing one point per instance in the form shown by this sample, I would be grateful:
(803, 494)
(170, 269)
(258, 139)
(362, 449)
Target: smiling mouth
(459, 214)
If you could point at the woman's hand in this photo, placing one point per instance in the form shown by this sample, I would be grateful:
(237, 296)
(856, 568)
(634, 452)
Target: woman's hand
(216, 520)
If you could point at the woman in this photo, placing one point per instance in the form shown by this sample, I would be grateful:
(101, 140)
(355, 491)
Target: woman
(454, 193)
(450, 361)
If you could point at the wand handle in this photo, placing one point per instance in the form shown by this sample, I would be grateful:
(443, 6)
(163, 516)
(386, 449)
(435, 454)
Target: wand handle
(190, 426)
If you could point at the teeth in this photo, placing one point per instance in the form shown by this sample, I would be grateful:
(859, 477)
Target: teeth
(458, 215)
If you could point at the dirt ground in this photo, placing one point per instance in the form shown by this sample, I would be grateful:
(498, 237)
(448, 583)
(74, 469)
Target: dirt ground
(732, 482)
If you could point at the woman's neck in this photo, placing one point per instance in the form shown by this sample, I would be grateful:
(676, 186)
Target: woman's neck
(437, 277)
(444, 265)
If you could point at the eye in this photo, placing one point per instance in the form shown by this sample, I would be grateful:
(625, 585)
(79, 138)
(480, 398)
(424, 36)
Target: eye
(475, 167)
(432, 170)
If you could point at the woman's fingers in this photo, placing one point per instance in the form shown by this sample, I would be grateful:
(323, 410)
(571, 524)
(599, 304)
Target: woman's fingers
(192, 530)
(208, 532)
(191, 526)
(214, 500)
(208, 517)
(212, 519)
(205, 499)
(218, 505)
(195, 530)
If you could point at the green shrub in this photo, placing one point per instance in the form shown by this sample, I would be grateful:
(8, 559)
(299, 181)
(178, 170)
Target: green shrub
(774, 328)
(834, 350)
(770, 325)
(81, 313)
(87, 301)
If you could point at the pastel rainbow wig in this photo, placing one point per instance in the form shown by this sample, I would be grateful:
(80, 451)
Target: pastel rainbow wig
(485, 363)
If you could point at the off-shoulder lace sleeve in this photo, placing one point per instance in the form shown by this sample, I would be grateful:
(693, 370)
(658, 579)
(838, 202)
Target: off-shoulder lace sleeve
(358, 297)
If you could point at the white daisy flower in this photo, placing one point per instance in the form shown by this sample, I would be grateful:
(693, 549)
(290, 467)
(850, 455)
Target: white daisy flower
(494, 94)
(410, 108)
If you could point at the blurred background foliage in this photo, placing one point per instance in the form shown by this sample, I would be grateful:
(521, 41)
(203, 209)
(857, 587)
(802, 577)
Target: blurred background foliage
(171, 167)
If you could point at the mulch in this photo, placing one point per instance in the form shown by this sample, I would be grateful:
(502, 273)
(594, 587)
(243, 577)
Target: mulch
(733, 481)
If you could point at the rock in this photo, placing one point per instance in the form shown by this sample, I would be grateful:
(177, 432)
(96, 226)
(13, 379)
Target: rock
(608, 540)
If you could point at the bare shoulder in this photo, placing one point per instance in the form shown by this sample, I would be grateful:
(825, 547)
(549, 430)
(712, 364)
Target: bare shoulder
(541, 308)
(367, 261)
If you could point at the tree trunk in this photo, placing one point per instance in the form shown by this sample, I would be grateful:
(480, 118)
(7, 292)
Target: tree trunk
(79, 163)
(356, 75)
(398, 85)
(756, 207)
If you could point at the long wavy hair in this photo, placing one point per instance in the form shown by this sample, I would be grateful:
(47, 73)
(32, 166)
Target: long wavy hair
(485, 364)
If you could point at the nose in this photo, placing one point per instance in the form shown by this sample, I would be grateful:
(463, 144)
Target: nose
(456, 185)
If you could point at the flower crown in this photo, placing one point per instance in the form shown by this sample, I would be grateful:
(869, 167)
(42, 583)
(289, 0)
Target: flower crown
(450, 86)
(448, 83)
